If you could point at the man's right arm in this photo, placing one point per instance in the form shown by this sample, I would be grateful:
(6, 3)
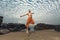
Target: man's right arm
(24, 15)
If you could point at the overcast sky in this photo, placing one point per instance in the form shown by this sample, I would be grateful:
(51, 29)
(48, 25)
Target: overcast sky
(45, 11)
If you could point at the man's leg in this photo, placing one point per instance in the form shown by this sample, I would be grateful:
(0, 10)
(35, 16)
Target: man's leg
(32, 21)
(32, 24)
(27, 26)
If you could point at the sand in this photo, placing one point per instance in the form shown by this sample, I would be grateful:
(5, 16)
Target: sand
(37, 35)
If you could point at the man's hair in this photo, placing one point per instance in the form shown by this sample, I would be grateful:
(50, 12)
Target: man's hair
(29, 10)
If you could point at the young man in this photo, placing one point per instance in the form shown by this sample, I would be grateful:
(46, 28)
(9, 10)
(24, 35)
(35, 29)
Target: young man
(29, 20)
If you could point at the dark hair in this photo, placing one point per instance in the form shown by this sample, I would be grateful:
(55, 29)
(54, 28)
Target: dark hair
(29, 10)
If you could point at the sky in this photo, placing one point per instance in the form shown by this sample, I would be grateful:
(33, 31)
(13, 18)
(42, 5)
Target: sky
(45, 11)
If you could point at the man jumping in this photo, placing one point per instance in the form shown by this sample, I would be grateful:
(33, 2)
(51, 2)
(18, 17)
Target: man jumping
(29, 20)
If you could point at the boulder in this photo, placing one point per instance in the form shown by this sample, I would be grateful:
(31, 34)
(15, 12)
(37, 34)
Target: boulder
(41, 26)
(16, 27)
(49, 26)
(57, 28)
(1, 19)
(4, 31)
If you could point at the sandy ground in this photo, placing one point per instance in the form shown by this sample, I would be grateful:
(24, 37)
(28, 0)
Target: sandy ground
(38, 35)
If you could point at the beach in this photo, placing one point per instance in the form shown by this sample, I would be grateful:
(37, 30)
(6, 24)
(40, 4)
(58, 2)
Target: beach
(37, 35)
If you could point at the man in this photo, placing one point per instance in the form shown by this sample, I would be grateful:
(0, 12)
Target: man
(29, 20)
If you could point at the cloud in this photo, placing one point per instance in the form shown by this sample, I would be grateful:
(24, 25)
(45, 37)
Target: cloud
(45, 10)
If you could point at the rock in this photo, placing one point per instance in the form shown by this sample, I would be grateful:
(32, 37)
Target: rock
(16, 27)
(41, 26)
(4, 31)
(4, 25)
(57, 28)
(1, 19)
(49, 26)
